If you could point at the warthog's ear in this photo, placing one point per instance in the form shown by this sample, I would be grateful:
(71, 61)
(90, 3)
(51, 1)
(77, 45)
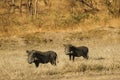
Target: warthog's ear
(27, 51)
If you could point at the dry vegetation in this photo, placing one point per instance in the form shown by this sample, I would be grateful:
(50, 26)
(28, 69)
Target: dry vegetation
(63, 21)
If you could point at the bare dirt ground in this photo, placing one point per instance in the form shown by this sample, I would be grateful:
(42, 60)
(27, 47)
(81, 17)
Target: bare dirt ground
(103, 64)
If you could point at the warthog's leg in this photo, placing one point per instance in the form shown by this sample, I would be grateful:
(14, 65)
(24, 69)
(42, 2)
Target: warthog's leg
(70, 57)
(73, 58)
(87, 57)
(53, 61)
(36, 63)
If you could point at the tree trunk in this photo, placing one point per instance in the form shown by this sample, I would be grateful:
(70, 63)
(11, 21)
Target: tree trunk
(20, 6)
(36, 6)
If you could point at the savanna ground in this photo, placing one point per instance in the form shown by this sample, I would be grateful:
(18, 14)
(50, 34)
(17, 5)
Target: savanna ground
(63, 22)
(103, 62)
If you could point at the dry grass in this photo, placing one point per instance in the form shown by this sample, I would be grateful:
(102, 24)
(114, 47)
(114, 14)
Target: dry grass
(103, 52)
(103, 59)
(52, 28)
(63, 15)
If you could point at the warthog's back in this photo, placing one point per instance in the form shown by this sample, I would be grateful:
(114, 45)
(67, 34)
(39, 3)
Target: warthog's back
(81, 51)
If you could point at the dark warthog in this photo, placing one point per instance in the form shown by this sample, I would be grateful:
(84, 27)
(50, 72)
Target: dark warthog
(38, 57)
(73, 51)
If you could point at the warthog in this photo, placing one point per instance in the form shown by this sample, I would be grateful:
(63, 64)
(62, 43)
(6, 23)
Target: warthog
(38, 57)
(73, 51)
